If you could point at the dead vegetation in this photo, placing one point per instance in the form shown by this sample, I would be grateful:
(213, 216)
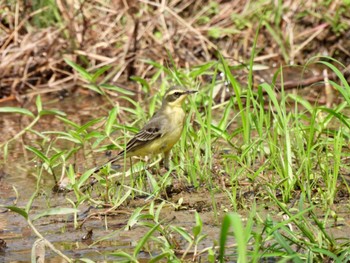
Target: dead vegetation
(125, 35)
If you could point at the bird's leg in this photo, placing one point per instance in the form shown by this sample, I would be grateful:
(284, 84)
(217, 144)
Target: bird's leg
(166, 160)
(132, 173)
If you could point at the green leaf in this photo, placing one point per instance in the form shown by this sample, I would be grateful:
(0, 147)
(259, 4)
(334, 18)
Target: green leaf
(200, 70)
(110, 121)
(284, 243)
(161, 256)
(197, 229)
(233, 220)
(68, 122)
(226, 116)
(38, 103)
(99, 72)
(144, 239)
(71, 139)
(157, 65)
(56, 211)
(16, 110)
(134, 218)
(117, 89)
(58, 133)
(52, 112)
(123, 254)
(328, 253)
(302, 101)
(54, 157)
(18, 210)
(183, 233)
(122, 200)
(220, 132)
(142, 81)
(89, 124)
(38, 154)
(93, 87)
(344, 119)
(85, 176)
(159, 209)
(153, 182)
(71, 174)
(338, 73)
(85, 75)
(94, 134)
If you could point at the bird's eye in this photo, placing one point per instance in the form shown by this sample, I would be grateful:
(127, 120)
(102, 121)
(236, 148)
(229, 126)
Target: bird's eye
(177, 94)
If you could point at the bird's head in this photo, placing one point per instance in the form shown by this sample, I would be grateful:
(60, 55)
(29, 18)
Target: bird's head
(176, 95)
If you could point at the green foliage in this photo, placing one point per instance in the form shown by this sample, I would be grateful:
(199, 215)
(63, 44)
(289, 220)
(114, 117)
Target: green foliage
(234, 221)
(92, 80)
(16, 110)
(48, 14)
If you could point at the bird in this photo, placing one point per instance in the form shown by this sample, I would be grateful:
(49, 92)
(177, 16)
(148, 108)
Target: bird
(161, 132)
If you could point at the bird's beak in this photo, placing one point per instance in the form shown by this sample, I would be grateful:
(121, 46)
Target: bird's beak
(191, 91)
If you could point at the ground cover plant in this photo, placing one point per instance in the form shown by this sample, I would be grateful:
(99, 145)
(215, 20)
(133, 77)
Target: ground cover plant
(260, 172)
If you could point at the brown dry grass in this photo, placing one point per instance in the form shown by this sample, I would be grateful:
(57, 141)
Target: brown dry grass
(124, 34)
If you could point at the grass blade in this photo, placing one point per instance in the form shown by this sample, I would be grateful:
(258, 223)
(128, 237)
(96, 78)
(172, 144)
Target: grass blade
(16, 110)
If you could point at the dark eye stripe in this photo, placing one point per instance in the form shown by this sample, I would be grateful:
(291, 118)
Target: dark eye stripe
(174, 95)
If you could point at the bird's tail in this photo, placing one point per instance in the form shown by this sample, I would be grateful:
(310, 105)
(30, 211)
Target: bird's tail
(111, 161)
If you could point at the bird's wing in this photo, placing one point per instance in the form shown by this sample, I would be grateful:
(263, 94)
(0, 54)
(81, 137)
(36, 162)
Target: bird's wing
(155, 128)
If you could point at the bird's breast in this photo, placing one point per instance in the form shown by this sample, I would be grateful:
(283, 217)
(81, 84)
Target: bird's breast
(174, 129)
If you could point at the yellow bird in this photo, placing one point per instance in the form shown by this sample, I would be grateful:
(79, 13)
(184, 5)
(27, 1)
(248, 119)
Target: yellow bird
(161, 132)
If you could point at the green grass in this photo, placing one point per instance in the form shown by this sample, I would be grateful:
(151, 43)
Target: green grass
(287, 149)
